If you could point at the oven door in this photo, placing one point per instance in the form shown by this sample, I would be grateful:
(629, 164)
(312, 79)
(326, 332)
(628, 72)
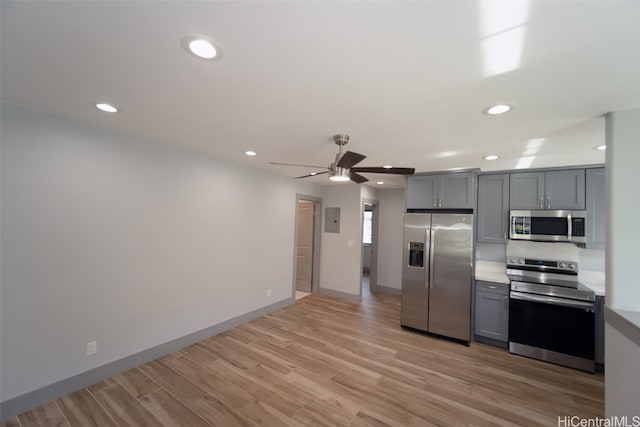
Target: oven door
(557, 330)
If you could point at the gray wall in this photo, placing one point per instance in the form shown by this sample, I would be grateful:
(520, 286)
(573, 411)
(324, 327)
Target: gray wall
(623, 197)
(341, 254)
(132, 244)
(391, 216)
(622, 382)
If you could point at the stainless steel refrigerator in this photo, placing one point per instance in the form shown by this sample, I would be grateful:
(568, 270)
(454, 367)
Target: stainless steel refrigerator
(436, 275)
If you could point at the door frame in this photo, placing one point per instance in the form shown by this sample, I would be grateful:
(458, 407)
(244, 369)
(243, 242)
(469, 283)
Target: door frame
(315, 259)
(373, 269)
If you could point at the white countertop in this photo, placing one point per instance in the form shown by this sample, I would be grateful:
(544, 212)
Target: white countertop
(593, 280)
(492, 271)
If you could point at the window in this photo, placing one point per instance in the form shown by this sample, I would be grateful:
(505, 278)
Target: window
(366, 227)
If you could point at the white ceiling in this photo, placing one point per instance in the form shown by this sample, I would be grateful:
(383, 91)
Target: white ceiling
(406, 80)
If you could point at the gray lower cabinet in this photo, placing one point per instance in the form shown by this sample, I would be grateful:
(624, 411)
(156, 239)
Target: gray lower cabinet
(441, 191)
(596, 207)
(556, 189)
(493, 208)
(492, 311)
(599, 329)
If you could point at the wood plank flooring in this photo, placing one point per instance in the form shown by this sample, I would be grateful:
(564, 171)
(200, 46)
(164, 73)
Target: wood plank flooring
(328, 362)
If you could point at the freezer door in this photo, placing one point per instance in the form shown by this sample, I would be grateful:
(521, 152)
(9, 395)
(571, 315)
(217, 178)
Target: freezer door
(415, 271)
(450, 281)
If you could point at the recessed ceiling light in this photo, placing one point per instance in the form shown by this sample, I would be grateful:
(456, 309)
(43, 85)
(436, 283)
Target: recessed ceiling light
(380, 182)
(202, 47)
(491, 157)
(387, 166)
(106, 107)
(497, 109)
(601, 147)
(250, 153)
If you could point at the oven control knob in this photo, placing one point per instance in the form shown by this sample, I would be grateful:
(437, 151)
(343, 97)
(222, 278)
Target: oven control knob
(572, 266)
(563, 265)
(512, 261)
(520, 261)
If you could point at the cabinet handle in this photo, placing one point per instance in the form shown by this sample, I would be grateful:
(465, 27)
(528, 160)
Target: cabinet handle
(435, 203)
(492, 287)
(506, 301)
(548, 202)
(541, 202)
(439, 203)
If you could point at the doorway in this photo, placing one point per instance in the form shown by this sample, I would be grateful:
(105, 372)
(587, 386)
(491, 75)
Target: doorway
(307, 234)
(369, 248)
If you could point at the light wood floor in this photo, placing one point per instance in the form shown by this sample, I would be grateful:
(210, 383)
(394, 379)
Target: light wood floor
(329, 362)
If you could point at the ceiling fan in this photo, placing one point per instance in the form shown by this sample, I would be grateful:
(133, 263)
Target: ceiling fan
(342, 169)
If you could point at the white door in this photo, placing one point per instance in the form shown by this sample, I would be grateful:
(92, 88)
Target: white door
(304, 245)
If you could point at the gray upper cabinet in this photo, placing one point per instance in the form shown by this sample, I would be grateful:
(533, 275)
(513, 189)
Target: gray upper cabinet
(557, 189)
(526, 190)
(493, 208)
(422, 191)
(565, 189)
(442, 191)
(596, 204)
(456, 191)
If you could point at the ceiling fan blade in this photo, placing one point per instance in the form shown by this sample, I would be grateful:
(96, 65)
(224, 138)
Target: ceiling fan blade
(349, 159)
(357, 178)
(294, 164)
(397, 171)
(311, 174)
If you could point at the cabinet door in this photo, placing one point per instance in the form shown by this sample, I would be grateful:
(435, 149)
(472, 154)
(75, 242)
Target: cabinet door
(565, 189)
(493, 208)
(526, 190)
(456, 191)
(422, 192)
(596, 206)
(492, 316)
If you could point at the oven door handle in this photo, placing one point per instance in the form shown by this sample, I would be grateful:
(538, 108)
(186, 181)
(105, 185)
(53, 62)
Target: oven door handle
(552, 300)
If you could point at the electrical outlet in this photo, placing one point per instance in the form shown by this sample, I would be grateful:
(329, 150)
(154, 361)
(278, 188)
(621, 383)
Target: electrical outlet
(92, 348)
(269, 293)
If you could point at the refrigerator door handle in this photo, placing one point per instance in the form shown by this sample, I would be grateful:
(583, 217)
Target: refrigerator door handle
(430, 236)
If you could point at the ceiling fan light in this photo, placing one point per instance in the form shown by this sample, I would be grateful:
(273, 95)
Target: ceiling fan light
(339, 174)
(339, 178)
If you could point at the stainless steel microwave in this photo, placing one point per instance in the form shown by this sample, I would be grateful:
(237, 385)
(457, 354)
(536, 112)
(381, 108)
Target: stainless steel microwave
(548, 225)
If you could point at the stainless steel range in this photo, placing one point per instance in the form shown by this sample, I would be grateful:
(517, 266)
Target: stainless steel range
(551, 315)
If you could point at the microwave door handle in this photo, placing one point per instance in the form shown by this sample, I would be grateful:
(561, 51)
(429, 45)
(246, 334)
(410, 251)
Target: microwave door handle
(512, 228)
(569, 227)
